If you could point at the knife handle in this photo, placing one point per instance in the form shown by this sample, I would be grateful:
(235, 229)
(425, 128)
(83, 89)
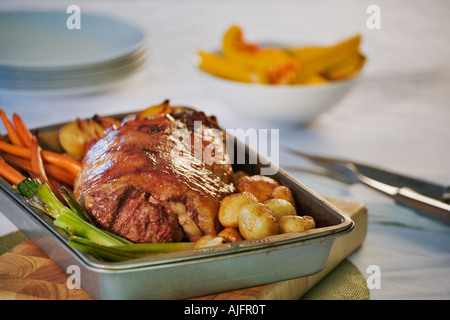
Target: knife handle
(429, 206)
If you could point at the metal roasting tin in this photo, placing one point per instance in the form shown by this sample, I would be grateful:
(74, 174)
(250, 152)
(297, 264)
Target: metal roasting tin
(196, 272)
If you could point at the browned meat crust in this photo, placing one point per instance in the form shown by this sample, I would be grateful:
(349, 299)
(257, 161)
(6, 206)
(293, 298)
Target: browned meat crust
(145, 183)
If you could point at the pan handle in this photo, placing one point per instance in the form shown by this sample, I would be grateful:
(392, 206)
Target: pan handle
(429, 206)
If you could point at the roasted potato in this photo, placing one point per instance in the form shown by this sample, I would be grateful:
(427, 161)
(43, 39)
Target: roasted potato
(162, 108)
(238, 175)
(282, 192)
(260, 186)
(257, 221)
(280, 207)
(230, 235)
(75, 136)
(230, 207)
(290, 223)
(243, 61)
(208, 241)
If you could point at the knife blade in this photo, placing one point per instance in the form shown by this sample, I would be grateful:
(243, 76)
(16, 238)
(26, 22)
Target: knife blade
(426, 188)
(446, 196)
(400, 187)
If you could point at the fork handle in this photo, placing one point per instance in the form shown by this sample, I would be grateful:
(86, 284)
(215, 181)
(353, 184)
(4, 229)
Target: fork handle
(429, 206)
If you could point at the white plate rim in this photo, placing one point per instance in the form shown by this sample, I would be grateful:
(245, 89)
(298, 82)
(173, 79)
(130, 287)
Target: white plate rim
(90, 61)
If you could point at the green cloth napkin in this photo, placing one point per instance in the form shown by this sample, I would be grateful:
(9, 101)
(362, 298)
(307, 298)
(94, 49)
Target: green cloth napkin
(9, 241)
(345, 282)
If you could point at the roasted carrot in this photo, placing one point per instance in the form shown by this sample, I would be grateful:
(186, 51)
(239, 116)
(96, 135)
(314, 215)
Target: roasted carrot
(22, 130)
(17, 162)
(22, 152)
(37, 165)
(59, 174)
(20, 163)
(62, 161)
(12, 133)
(9, 173)
(52, 171)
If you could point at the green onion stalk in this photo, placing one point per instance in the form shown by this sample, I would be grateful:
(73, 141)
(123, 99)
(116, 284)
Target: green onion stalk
(127, 251)
(83, 234)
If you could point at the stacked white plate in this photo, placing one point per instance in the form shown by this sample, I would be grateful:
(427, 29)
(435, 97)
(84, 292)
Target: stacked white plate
(39, 53)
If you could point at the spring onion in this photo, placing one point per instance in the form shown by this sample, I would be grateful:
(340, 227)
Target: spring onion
(74, 205)
(28, 186)
(83, 234)
(127, 251)
(73, 224)
(71, 221)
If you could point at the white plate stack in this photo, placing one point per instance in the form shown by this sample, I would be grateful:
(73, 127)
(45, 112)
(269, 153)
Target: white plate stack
(40, 53)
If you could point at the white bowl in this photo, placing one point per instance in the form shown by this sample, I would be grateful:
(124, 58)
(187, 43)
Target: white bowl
(287, 104)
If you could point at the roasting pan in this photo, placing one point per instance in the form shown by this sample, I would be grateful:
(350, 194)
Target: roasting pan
(196, 272)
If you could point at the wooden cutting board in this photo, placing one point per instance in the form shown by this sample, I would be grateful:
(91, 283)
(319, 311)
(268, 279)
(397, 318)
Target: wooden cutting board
(27, 273)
